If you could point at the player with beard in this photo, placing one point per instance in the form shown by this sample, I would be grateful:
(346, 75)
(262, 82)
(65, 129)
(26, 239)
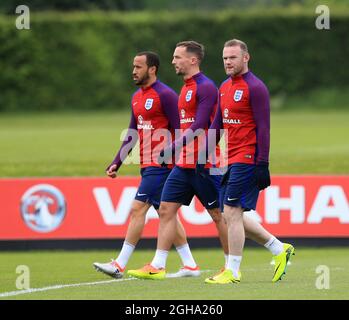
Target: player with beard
(244, 114)
(153, 108)
(196, 105)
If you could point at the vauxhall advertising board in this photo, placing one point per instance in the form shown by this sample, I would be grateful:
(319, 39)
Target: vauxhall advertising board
(99, 208)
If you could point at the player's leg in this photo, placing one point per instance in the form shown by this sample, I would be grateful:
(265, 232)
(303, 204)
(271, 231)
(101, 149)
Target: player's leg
(236, 241)
(281, 252)
(181, 237)
(241, 190)
(254, 230)
(237, 182)
(167, 229)
(174, 191)
(159, 180)
(137, 221)
(166, 235)
(116, 267)
(207, 189)
(139, 208)
(236, 237)
(221, 227)
(190, 267)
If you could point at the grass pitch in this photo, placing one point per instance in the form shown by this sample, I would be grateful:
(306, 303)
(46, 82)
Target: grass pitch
(83, 144)
(304, 278)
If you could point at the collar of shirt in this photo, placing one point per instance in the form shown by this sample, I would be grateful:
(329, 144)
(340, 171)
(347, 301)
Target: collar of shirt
(240, 77)
(149, 87)
(193, 78)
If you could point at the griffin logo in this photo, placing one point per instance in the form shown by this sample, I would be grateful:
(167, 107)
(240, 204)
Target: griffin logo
(43, 208)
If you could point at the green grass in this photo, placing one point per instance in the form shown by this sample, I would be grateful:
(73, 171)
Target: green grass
(61, 267)
(304, 142)
(83, 144)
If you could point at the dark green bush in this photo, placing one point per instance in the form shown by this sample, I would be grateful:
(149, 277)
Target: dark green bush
(84, 60)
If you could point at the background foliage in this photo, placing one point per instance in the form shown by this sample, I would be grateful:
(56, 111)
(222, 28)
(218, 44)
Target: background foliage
(84, 60)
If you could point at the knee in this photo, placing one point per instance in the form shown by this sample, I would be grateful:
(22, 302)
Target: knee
(233, 214)
(137, 213)
(165, 212)
(216, 215)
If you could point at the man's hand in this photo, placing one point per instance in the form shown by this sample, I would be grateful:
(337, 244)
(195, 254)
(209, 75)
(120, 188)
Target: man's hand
(111, 171)
(262, 175)
(162, 159)
(200, 169)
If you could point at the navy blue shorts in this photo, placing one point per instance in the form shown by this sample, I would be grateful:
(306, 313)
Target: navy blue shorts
(183, 184)
(150, 188)
(239, 187)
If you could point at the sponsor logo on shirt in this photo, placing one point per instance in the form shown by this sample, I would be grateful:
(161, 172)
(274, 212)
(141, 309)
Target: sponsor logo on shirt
(187, 120)
(188, 95)
(229, 121)
(232, 121)
(148, 104)
(145, 126)
(238, 95)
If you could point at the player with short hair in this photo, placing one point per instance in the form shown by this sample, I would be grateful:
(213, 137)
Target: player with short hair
(153, 107)
(244, 113)
(196, 106)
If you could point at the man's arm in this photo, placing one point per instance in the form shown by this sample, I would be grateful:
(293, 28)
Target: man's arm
(259, 100)
(216, 127)
(130, 142)
(207, 98)
(169, 103)
(212, 139)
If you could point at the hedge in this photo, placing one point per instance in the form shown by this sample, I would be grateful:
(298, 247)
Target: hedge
(84, 60)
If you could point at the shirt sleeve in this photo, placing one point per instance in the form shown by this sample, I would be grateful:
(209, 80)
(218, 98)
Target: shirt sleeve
(259, 100)
(206, 100)
(118, 158)
(217, 124)
(214, 133)
(169, 103)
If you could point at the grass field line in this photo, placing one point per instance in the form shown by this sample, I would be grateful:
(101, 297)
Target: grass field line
(62, 286)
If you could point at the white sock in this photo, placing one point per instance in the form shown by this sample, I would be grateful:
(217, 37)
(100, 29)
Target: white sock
(226, 257)
(274, 246)
(159, 260)
(234, 264)
(125, 254)
(186, 256)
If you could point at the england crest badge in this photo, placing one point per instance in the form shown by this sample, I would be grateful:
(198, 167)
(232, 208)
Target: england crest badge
(148, 104)
(238, 95)
(188, 96)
